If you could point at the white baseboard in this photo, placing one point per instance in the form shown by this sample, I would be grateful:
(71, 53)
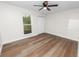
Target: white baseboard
(74, 39)
(17, 39)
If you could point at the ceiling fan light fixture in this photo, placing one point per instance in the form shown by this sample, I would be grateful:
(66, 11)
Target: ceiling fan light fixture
(44, 8)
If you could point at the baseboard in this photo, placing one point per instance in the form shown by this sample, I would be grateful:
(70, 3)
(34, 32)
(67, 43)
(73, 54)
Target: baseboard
(35, 35)
(21, 38)
(63, 36)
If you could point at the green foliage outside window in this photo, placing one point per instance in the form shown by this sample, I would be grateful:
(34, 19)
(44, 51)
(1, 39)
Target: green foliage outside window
(27, 24)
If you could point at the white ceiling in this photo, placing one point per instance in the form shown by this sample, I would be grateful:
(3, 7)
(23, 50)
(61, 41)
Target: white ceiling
(63, 5)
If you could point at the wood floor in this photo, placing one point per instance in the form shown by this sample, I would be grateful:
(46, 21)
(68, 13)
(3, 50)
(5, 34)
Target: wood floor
(43, 45)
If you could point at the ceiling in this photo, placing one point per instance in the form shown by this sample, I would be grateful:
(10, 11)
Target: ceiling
(63, 5)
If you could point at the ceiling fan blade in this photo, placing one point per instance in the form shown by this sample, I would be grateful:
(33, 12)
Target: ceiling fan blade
(48, 9)
(40, 8)
(38, 5)
(53, 5)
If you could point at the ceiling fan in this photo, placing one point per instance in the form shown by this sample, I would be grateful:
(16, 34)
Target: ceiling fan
(46, 6)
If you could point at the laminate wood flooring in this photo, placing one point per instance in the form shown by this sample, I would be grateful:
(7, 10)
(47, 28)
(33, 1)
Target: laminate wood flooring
(42, 45)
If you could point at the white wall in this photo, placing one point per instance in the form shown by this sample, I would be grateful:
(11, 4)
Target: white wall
(64, 24)
(12, 24)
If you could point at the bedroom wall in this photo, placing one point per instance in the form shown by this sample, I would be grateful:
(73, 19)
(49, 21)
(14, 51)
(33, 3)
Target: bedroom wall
(12, 24)
(64, 24)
